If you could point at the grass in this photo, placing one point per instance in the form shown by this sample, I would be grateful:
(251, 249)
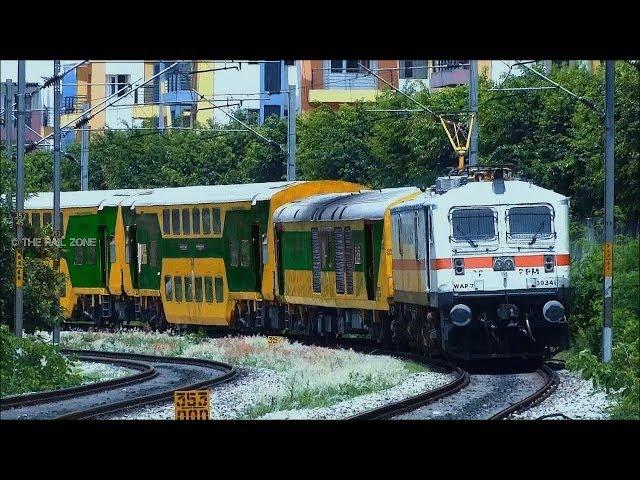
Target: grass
(309, 376)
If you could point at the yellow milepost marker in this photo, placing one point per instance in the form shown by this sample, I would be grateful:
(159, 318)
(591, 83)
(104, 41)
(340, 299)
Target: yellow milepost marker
(19, 269)
(274, 340)
(608, 259)
(191, 404)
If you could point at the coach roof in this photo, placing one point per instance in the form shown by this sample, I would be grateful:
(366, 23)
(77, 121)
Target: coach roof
(362, 205)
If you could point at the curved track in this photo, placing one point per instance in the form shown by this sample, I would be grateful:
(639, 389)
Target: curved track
(159, 377)
(491, 397)
(389, 410)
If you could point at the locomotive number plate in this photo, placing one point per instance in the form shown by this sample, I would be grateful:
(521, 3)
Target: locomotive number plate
(274, 340)
(191, 404)
(533, 282)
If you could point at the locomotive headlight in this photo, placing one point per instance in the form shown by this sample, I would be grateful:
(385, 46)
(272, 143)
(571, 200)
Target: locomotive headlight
(549, 263)
(458, 266)
(503, 263)
(553, 311)
(460, 315)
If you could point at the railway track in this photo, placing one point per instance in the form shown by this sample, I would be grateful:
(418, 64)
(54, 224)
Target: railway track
(156, 380)
(461, 380)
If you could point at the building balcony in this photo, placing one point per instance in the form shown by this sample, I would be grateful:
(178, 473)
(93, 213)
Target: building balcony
(451, 73)
(343, 95)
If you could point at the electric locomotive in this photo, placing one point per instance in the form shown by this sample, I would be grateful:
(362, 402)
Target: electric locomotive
(481, 267)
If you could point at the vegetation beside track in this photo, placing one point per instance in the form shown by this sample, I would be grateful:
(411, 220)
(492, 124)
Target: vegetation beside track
(311, 376)
(32, 365)
(620, 377)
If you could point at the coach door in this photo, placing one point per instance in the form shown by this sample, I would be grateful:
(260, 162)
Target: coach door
(132, 255)
(103, 245)
(256, 247)
(369, 268)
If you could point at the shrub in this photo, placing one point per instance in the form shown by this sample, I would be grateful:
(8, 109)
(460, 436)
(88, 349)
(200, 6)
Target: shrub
(620, 377)
(31, 365)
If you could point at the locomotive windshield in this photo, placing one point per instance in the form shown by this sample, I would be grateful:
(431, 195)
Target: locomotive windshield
(471, 224)
(530, 222)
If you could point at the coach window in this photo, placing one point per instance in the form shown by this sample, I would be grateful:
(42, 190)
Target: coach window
(473, 224)
(166, 221)
(188, 289)
(219, 289)
(91, 255)
(168, 287)
(198, 288)
(177, 281)
(206, 221)
(186, 221)
(208, 289)
(153, 253)
(529, 222)
(112, 249)
(245, 253)
(78, 257)
(217, 225)
(175, 221)
(46, 218)
(196, 221)
(233, 252)
(35, 220)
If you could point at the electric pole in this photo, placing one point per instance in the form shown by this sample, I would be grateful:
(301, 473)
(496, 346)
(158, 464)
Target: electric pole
(473, 107)
(291, 135)
(84, 152)
(19, 272)
(609, 159)
(57, 227)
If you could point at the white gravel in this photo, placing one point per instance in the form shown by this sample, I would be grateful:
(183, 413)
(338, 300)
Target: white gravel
(412, 385)
(93, 372)
(575, 397)
(229, 401)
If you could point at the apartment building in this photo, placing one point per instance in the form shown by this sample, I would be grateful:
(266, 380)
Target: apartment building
(36, 116)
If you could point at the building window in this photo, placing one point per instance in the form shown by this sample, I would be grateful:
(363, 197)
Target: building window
(271, 110)
(348, 66)
(46, 218)
(35, 220)
(117, 84)
(408, 69)
(336, 66)
(272, 82)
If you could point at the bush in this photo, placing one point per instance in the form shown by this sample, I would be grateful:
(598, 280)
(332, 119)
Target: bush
(621, 376)
(31, 365)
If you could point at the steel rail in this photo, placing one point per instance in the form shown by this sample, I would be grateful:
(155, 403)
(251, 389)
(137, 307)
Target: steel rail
(146, 372)
(230, 373)
(551, 383)
(399, 407)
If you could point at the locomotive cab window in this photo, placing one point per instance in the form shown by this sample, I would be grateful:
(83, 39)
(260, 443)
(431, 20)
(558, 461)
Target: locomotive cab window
(473, 224)
(530, 223)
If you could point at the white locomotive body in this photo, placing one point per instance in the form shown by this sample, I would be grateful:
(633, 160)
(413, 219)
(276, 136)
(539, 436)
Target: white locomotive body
(486, 264)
